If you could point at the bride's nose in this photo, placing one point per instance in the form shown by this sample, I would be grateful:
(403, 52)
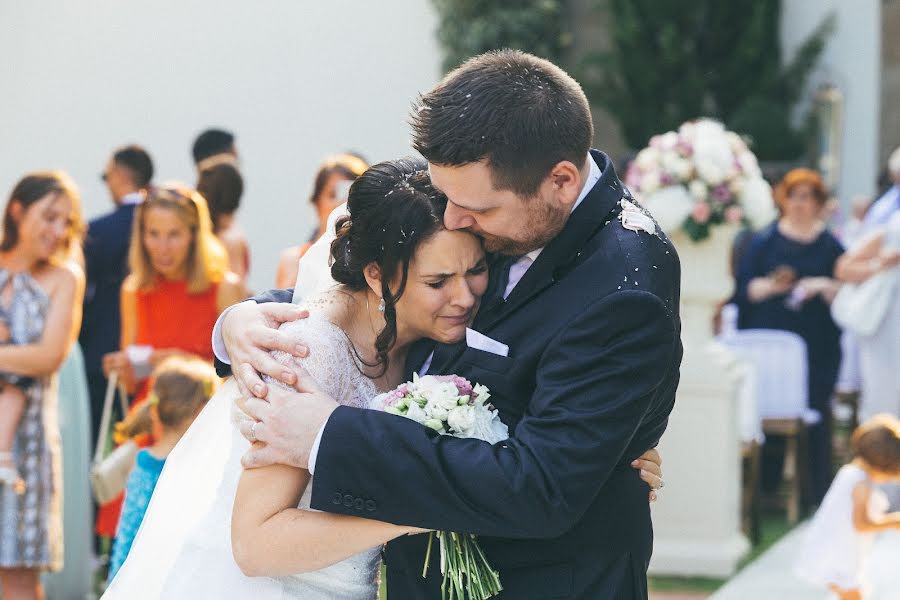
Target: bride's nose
(463, 295)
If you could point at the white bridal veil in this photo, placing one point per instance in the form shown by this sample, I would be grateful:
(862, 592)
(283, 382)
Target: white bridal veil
(182, 529)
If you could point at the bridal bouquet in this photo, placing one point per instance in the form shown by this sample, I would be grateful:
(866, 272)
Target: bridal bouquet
(698, 177)
(451, 405)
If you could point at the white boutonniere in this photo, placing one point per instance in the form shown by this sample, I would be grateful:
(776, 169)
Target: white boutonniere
(634, 219)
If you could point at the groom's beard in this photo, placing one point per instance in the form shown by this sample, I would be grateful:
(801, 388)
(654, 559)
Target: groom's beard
(541, 224)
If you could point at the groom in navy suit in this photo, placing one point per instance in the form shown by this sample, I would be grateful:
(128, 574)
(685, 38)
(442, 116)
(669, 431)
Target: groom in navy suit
(584, 294)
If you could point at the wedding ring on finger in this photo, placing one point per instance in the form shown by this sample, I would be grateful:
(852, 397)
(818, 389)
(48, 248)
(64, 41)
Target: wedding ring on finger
(662, 484)
(253, 437)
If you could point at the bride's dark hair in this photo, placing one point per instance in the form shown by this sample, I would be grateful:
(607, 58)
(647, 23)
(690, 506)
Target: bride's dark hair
(393, 208)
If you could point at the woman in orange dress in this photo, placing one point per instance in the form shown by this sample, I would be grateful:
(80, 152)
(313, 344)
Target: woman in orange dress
(179, 283)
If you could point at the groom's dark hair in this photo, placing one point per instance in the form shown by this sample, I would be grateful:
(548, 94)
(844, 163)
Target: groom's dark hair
(521, 113)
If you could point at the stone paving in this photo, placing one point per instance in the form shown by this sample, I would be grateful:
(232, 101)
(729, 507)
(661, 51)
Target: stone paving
(770, 575)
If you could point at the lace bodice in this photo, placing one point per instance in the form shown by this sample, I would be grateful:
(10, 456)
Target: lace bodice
(332, 361)
(333, 364)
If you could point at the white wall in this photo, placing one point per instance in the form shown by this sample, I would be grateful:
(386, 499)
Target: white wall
(295, 80)
(852, 62)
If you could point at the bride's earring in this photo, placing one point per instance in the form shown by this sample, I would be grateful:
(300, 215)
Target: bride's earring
(381, 306)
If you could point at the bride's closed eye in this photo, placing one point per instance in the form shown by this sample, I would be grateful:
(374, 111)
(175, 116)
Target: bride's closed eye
(478, 269)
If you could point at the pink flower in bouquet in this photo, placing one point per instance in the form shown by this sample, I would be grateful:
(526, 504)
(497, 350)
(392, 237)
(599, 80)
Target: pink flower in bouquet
(734, 214)
(666, 179)
(701, 212)
(721, 193)
(462, 384)
(684, 147)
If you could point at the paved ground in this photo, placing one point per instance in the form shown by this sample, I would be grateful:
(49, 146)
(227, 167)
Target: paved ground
(770, 575)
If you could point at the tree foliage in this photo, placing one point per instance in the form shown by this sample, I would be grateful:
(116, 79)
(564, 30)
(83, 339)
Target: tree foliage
(470, 27)
(671, 62)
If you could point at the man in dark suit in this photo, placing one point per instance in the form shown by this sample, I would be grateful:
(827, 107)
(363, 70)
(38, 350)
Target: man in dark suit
(584, 293)
(127, 176)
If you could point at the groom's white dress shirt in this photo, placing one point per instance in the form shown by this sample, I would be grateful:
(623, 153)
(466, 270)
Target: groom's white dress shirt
(516, 272)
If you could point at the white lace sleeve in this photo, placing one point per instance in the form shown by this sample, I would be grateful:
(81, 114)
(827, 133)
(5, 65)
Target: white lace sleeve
(331, 361)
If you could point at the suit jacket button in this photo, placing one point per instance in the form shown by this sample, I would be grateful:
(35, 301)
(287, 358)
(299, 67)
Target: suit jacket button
(337, 498)
(370, 505)
(358, 504)
(348, 500)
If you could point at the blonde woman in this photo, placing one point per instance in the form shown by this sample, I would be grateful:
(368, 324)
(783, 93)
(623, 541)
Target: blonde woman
(179, 283)
(40, 295)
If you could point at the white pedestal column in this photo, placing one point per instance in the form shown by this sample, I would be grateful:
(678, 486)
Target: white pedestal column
(697, 518)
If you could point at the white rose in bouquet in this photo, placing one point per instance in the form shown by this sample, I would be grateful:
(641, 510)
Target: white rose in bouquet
(488, 427)
(713, 157)
(677, 166)
(650, 181)
(461, 419)
(668, 141)
(647, 159)
(756, 198)
(416, 413)
(749, 164)
(670, 206)
(698, 190)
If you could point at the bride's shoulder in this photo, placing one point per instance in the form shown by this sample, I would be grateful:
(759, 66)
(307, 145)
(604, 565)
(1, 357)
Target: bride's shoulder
(325, 324)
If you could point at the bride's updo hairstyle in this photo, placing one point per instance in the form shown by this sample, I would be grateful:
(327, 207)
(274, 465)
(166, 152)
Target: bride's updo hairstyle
(393, 208)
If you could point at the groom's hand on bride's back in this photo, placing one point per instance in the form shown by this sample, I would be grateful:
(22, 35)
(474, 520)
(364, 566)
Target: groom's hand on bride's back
(250, 332)
(286, 423)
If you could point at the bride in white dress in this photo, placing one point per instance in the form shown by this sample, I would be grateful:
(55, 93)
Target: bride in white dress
(206, 510)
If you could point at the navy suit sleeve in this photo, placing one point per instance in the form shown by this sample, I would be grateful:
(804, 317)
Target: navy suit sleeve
(224, 370)
(595, 384)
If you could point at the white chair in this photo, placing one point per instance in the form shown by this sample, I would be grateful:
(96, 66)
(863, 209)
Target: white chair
(782, 396)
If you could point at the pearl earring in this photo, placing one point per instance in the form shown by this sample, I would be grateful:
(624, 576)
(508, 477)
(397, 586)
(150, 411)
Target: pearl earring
(381, 306)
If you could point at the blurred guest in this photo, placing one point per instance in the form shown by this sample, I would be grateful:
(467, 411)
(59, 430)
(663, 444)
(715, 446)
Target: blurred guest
(839, 538)
(855, 223)
(889, 202)
(127, 175)
(875, 259)
(181, 388)
(221, 186)
(42, 289)
(212, 147)
(330, 188)
(785, 281)
(178, 285)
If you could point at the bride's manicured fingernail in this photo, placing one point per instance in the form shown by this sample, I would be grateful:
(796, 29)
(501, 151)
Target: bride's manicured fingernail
(287, 377)
(300, 350)
(258, 389)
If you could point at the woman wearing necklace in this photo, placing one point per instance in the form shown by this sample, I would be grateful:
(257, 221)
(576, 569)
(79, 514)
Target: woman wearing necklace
(786, 281)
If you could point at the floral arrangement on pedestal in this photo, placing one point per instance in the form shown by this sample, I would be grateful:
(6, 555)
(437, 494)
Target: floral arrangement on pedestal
(698, 177)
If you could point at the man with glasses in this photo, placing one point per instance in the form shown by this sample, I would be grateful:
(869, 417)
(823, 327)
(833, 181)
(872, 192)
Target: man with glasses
(127, 176)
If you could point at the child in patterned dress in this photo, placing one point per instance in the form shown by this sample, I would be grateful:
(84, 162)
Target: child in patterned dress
(181, 388)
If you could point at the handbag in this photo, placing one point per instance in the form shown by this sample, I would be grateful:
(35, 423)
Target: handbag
(110, 472)
(861, 307)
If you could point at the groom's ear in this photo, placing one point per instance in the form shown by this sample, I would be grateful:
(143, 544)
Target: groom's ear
(372, 273)
(567, 181)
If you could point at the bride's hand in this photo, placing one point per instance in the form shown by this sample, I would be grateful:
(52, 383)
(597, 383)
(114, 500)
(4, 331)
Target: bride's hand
(650, 465)
(250, 332)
